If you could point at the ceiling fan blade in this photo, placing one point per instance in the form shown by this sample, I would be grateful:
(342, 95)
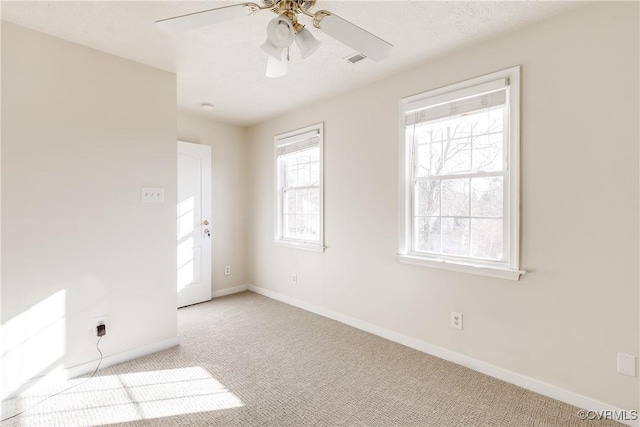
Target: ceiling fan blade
(276, 68)
(206, 17)
(364, 42)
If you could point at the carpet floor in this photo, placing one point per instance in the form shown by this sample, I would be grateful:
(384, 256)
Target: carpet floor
(247, 360)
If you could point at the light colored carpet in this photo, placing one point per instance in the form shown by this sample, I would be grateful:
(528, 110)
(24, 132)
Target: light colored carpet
(246, 360)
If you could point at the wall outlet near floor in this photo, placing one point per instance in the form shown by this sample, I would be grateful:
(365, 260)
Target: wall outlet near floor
(294, 279)
(626, 364)
(227, 270)
(100, 320)
(456, 320)
(99, 325)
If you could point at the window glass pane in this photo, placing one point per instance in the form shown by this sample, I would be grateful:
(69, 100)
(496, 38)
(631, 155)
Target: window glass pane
(428, 234)
(290, 160)
(436, 158)
(291, 176)
(314, 200)
(486, 121)
(289, 228)
(459, 127)
(428, 198)
(314, 227)
(487, 153)
(496, 119)
(301, 168)
(290, 202)
(486, 239)
(302, 225)
(479, 121)
(457, 155)
(314, 154)
(302, 156)
(439, 130)
(435, 131)
(428, 159)
(455, 236)
(423, 160)
(303, 175)
(314, 174)
(486, 197)
(302, 203)
(455, 197)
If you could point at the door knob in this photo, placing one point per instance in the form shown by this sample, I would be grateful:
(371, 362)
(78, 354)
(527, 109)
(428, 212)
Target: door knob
(206, 222)
(207, 232)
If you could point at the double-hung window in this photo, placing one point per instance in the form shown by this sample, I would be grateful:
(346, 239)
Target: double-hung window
(299, 188)
(460, 178)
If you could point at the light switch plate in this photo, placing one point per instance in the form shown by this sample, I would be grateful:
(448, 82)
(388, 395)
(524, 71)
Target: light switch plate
(626, 364)
(152, 194)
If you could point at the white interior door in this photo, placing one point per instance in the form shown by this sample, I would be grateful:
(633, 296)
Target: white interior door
(194, 223)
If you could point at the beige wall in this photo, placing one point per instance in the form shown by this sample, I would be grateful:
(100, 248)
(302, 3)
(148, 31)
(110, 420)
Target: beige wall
(564, 322)
(82, 132)
(229, 207)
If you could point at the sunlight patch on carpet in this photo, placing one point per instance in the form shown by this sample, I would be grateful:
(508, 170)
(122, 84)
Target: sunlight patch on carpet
(129, 397)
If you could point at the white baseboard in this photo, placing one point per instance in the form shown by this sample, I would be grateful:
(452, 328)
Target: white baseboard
(229, 291)
(113, 359)
(122, 357)
(477, 365)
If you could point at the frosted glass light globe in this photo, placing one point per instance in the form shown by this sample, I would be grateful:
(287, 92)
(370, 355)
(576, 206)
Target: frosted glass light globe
(282, 31)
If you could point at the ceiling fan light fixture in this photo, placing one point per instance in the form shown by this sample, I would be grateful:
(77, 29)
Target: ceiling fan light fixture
(283, 30)
(306, 43)
(280, 31)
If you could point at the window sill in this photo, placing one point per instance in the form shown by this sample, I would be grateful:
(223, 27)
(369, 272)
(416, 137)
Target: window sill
(501, 273)
(313, 247)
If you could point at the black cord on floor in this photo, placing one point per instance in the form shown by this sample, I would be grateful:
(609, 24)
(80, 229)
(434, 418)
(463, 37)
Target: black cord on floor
(60, 392)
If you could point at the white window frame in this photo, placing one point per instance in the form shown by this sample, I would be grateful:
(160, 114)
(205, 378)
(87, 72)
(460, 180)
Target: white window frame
(279, 239)
(510, 268)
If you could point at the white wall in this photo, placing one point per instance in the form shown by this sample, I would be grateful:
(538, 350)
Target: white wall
(229, 182)
(82, 132)
(564, 322)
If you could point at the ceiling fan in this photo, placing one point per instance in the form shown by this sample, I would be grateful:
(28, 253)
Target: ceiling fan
(283, 30)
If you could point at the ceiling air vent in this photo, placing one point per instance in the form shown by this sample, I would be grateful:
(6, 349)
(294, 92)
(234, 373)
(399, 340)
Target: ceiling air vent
(355, 57)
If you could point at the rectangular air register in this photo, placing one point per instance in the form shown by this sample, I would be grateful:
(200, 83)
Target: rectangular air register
(355, 57)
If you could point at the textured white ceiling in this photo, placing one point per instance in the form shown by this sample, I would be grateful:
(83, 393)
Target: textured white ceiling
(223, 65)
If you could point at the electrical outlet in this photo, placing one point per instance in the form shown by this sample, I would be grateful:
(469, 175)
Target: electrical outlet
(626, 364)
(294, 279)
(456, 320)
(100, 325)
(227, 270)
